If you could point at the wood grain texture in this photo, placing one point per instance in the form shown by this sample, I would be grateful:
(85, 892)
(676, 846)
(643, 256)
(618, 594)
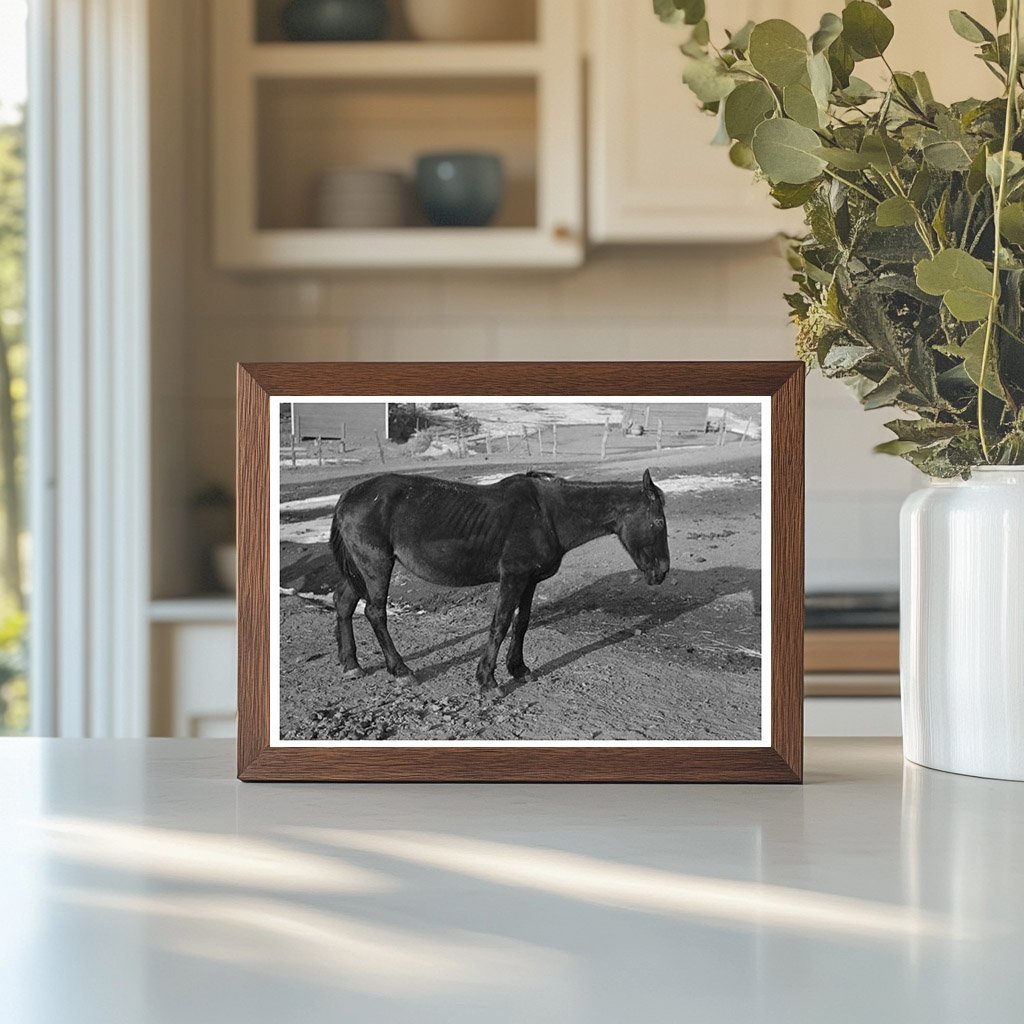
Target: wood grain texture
(781, 762)
(852, 650)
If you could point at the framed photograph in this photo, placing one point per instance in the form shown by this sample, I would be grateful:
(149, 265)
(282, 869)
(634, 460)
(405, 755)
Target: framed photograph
(520, 571)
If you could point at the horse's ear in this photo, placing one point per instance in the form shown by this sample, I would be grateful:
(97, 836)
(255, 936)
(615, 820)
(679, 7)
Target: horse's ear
(649, 489)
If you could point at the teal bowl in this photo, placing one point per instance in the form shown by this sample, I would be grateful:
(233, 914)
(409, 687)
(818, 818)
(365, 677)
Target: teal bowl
(334, 21)
(460, 190)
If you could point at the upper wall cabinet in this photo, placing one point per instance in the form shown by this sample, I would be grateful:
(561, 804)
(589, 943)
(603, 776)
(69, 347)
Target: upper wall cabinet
(316, 143)
(654, 175)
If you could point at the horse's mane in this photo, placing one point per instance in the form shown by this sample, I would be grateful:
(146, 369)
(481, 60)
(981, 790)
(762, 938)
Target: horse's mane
(541, 475)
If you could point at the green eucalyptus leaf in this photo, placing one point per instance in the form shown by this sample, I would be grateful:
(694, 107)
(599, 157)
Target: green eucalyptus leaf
(924, 87)
(785, 152)
(841, 60)
(969, 28)
(895, 212)
(884, 395)
(741, 155)
(999, 7)
(745, 108)
(819, 75)
(972, 352)
(676, 12)
(963, 281)
(708, 80)
(778, 50)
(789, 197)
(866, 29)
(1012, 223)
(994, 169)
(858, 91)
(739, 41)
(800, 105)
(921, 185)
(844, 159)
(947, 156)
(701, 33)
(829, 30)
(976, 172)
(895, 447)
(882, 152)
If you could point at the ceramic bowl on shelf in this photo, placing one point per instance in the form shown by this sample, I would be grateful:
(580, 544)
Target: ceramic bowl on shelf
(470, 20)
(331, 21)
(460, 189)
(361, 198)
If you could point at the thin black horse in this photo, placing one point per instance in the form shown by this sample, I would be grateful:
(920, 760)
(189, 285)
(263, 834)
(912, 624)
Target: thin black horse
(515, 532)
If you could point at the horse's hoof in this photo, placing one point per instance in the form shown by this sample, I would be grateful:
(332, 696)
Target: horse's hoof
(353, 673)
(404, 675)
(522, 674)
(488, 684)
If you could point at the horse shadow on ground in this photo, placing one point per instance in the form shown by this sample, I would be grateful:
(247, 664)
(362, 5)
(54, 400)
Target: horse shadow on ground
(616, 596)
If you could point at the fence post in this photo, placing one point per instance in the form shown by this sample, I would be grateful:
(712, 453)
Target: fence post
(554, 440)
(343, 448)
(746, 429)
(721, 429)
(319, 451)
(508, 443)
(526, 441)
(659, 433)
(487, 444)
(293, 451)
(540, 442)
(604, 439)
(380, 447)
(647, 418)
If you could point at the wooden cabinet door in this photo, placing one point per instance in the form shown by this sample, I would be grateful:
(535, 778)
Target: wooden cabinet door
(653, 174)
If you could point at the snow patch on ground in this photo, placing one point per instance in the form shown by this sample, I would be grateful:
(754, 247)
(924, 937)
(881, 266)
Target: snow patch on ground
(695, 483)
(312, 531)
(321, 501)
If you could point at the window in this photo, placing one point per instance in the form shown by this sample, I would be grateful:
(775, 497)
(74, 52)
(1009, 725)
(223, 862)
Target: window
(14, 706)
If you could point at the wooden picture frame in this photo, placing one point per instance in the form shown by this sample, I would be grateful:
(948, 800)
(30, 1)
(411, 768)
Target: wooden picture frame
(779, 758)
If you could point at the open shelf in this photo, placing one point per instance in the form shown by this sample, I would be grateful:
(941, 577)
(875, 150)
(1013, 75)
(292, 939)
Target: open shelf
(287, 113)
(393, 60)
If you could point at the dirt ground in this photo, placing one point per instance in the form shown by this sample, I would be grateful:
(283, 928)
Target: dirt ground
(612, 658)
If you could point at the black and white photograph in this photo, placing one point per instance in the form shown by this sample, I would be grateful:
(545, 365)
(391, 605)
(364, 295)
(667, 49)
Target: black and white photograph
(484, 570)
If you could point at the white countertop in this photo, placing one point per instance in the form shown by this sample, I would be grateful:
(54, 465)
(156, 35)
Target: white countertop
(143, 885)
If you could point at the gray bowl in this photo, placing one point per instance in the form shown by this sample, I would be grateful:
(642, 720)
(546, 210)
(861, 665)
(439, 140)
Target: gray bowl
(334, 20)
(461, 190)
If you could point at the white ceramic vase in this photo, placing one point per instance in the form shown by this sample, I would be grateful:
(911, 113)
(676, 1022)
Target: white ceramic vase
(962, 624)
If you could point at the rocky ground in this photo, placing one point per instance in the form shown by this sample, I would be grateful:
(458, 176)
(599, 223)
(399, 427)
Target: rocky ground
(612, 658)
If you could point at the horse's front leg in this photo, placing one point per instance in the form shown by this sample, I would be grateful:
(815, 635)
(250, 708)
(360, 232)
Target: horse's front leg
(517, 668)
(508, 597)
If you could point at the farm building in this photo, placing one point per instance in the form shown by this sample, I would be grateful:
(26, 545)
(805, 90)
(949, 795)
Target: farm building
(335, 421)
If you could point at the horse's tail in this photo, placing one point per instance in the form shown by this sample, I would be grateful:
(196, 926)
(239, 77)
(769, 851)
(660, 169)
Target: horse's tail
(341, 556)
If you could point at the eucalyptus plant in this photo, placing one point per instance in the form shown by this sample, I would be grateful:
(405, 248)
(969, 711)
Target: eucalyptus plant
(910, 278)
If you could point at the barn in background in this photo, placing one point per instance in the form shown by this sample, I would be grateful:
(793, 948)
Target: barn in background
(355, 423)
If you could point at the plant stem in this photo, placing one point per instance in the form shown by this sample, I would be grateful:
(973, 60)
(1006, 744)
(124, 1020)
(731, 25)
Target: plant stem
(993, 309)
(856, 188)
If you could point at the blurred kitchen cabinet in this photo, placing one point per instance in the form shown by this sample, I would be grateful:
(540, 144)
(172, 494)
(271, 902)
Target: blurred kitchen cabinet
(653, 175)
(286, 114)
(192, 651)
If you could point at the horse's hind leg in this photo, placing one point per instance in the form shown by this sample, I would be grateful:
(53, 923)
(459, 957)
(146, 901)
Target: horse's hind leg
(377, 584)
(514, 657)
(346, 597)
(508, 597)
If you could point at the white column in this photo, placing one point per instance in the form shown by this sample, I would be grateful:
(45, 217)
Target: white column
(89, 335)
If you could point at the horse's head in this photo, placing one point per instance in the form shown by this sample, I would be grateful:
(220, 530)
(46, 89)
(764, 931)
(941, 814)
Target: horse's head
(643, 533)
